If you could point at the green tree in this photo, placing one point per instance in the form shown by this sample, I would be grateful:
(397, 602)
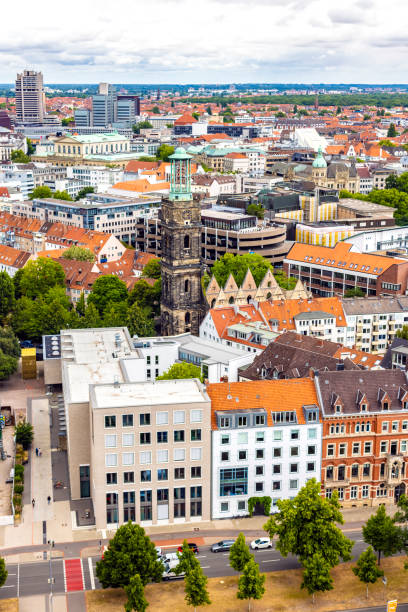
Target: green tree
(401, 516)
(280, 114)
(136, 599)
(146, 296)
(41, 193)
(164, 151)
(8, 365)
(382, 534)
(286, 282)
(142, 125)
(366, 569)
(208, 110)
(67, 120)
(3, 572)
(7, 295)
(187, 560)
(106, 290)
(196, 115)
(40, 275)
(91, 318)
(19, 157)
(30, 148)
(181, 370)
(152, 269)
(356, 292)
(306, 526)
(403, 332)
(238, 265)
(139, 322)
(392, 132)
(295, 109)
(9, 343)
(257, 210)
(366, 117)
(338, 110)
(316, 574)
(78, 253)
(84, 192)
(251, 584)
(130, 552)
(80, 305)
(24, 433)
(62, 195)
(196, 588)
(239, 553)
(115, 314)
(156, 110)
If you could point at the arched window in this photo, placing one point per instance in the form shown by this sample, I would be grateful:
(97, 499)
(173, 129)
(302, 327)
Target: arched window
(213, 302)
(186, 242)
(186, 285)
(231, 300)
(187, 318)
(357, 427)
(332, 429)
(268, 295)
(249, 298)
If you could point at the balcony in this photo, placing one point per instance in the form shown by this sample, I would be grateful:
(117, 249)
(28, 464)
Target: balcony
(331, 482)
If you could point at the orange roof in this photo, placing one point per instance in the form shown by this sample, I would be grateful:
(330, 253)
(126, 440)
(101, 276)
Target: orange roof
(335, 150)
(341, 257)
(360, 358)
(284, 311)
(141, 186)
(135, 166)
(4, 192)
(271, 395)
(185, 119)
(236, 156)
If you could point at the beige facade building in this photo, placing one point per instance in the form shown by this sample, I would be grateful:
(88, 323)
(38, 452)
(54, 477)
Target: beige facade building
(139, 450)
(30, 97)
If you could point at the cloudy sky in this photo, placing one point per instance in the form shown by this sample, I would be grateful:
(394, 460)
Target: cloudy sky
(207, 41)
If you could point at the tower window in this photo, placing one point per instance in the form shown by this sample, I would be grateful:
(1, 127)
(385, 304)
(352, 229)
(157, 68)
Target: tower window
(186, 242)
(186, 286)
(187, 318)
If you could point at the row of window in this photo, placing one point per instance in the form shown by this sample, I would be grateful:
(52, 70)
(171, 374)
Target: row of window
(162, 418)
(145, 437)
(146, 504)
(358, 492)
(366, 448)
(361, 471)
(242, 437)
(145, 457)
(242, 455)
(146, 475)
(366, 426)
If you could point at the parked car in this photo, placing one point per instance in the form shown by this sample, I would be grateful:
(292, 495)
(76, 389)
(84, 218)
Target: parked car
(104, 549)
(191, 546)
(169, 573)
(222, 546)
(261, 543)
(26, 344)
(170, 557)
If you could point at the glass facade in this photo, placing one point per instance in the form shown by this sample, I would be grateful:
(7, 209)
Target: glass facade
(233, 481)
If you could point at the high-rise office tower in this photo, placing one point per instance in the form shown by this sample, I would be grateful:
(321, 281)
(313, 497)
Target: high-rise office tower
(104, 105)
(30, 98)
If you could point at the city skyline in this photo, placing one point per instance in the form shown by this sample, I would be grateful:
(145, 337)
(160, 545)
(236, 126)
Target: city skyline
(284, 42)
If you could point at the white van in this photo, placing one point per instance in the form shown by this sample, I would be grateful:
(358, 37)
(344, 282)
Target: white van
(169, 573)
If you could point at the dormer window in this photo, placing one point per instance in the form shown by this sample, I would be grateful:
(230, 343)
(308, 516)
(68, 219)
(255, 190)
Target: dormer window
(385, 406)
(337, 409)
(405, 405)
(363, 407)
(263, 372)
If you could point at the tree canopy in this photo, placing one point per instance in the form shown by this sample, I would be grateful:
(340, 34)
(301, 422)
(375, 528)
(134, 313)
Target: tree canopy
(78, 253)
(164, 151)
(257, 210)
(366, 569)
(238, 265)
(251, 584)
(41, 275)
(196, 587)
(84, 192)
(7, 295)
(239, 553)
(306, 527)
(142, 125)
(105, 290)
(130, 552)
(41, 192)
(19, 157)
(152, 269)
(136, 599)
(181, 370)
(382, 534)
(3, 572)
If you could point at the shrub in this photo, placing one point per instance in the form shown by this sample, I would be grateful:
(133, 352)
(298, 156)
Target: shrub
(19, 469)
(18, 488)
(17, 500)
(18, 478)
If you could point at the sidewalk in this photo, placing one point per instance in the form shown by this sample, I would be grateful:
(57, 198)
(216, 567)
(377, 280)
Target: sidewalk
(41, 472)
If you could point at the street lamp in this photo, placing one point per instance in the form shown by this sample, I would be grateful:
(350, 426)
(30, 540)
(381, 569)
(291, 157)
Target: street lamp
(51, 580)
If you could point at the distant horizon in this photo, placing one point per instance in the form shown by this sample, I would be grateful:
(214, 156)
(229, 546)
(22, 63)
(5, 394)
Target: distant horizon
(218, 84)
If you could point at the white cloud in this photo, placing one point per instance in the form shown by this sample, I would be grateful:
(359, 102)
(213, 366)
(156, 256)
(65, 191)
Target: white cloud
(140, 41)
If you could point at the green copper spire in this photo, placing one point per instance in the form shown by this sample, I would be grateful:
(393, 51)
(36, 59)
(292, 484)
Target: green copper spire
(319, 161)
(180, 178)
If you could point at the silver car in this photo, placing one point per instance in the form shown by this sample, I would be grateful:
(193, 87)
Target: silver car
(223, 545)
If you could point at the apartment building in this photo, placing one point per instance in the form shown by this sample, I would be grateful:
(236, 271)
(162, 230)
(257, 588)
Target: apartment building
(365, 435)
(12, 260)
(30, 97)
(266, 441)
(9, 142)
(154, 438)
(20, 176)
(372, 323)
(328, 271)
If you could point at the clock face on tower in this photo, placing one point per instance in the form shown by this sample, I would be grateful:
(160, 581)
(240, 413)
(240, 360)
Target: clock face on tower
(186, 214)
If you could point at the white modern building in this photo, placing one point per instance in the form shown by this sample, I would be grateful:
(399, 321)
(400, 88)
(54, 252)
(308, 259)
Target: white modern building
(266, 442)
(380, 240)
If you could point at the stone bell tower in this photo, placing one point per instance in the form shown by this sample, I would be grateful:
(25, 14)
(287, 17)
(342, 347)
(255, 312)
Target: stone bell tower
(181, 302)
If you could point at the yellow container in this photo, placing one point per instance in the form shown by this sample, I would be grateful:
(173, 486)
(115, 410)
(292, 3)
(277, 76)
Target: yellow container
(28, 363)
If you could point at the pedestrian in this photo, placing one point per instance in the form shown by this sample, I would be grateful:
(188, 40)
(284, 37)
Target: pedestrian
(36, 451)
(33, 502)
(39, 452)
(49, 499)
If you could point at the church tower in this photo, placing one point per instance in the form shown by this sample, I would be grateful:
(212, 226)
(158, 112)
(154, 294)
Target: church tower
(181, 301)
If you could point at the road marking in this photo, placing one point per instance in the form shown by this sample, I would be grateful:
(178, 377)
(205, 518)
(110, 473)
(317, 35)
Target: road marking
(11, 574)
(201, 556)
(18, 581)
(359, 541)
(270, 560)
(225, 554)
(65, 577)
(8, 586)
(91, 574)
(205, 566)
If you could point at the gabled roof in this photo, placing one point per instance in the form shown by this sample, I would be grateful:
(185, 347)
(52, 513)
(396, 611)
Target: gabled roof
(270, 395)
